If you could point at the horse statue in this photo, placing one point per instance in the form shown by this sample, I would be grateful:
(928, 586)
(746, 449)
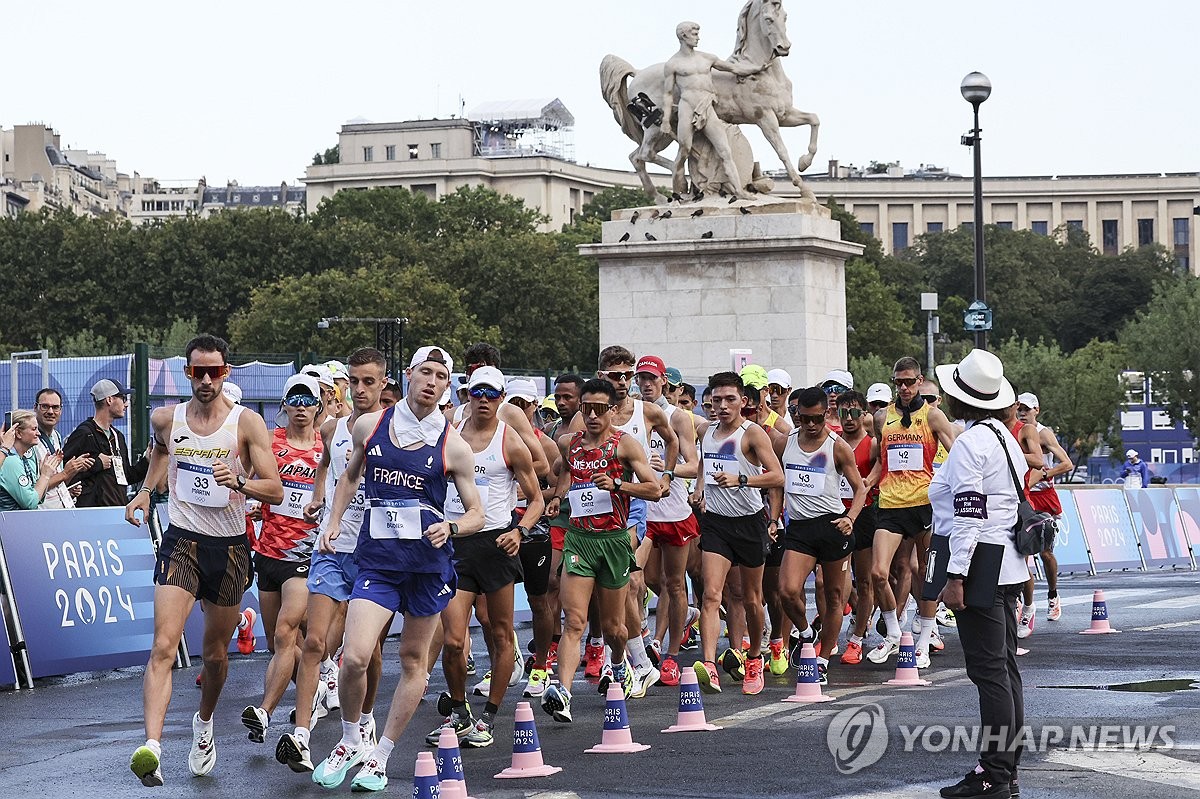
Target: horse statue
(763, 99)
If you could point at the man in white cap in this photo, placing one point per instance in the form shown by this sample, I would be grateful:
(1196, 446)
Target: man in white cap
(106, 483)
(836, 383)
(1135, 472)
(232, 392)
(878, 396)
(1042, 495)
(779, 386)
(331, 405)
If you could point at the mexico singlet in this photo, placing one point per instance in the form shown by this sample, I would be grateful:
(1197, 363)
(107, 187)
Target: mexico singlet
(406, 493)
(286, 535)
(495, 482)
(727, 456)
(673, 507)
(594, 510)
(862, 460)
(340, 446)
(196, 503)
(810, 479)
(907, 455)
(1042, 494)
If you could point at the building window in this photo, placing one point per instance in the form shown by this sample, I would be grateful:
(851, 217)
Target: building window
(933, 227)
(413, 153)
(1135, 388)
(1108, 236)
(968, 226)
(368, 154)
(1005, 225)
(389, 152)
(435, 150)
(1145, 232)
(1182, 239)
(1074, 224)
(1041, 227)
(867, 227)
(899, 236)
(1161, 420)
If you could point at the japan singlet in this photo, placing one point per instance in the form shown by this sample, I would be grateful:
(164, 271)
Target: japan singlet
(726, 456)
(406, 493)
(907, 454)
(196, 503)
(286, 535)
(810, 479)
(493, 480)
(340, 446)
(594, 510)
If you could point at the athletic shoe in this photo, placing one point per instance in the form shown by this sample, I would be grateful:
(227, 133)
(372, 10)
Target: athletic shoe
(367, 731)
(538, 679)
(706, 676)
(332, 770)
(470, 665)
(293, 753)
(484, 686)
(557, 702)
(246, 631)
(458, 722)
(643, 679)
(1054, 613)
(518, 670)
(779, 661)
(256, 721)
(945, 616)
(669, 675)
(606, 677)
(753, 682)
(145, 766)
(734, 663)
(881, 626)
(593, 657)
(691, 629)
(822, 674)
(977, 785)
(923, 658)
(319, 711)
(887, 647)
(203, 755)
(330, 700)
(1025, 625)
(654, 651)
(480, 735)
(847, 610)
(552, 656)
(1014, 790)
(527, 668)
(200, 678)
(853, 654)
(622, 673)
(372, 777)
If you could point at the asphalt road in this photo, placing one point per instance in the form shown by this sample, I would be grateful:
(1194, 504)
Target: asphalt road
(73, 736)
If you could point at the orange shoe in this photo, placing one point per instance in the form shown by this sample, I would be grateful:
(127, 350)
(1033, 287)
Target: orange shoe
(853, 654)
(753, 682)
(593, 660)
(246, 631)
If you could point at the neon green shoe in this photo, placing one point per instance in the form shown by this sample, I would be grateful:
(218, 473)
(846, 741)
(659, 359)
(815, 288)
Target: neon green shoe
(145, 766)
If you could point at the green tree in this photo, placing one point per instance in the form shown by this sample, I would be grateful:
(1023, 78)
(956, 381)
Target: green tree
(877, 325)
(1164, 341)
(331, 156)
(870, 369)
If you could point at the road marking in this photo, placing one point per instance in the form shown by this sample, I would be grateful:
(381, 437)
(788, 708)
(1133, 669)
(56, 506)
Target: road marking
(922, 791)
(551, 795)
(1174, 603)
(1147, 766)
(1168, 626)
(1109, 596)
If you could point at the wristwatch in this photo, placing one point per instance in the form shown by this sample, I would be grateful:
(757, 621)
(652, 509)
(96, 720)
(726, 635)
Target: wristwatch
(670, 475)
(617, 483)
(453, 530)
(241, 483)
(743, 480)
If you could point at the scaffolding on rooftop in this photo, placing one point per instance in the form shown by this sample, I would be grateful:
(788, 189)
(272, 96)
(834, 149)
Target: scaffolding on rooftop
(522, 128)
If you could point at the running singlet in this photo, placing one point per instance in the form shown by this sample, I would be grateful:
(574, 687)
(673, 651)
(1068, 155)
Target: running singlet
(196, 503)
(862, 459)
(340, 447)
(523, 503)
(726, 456)
(594, 510)
(674, 507)
(907, 454)
(493, 480)
(810, 479)
(285, 534)
(1042, 495)
(406, 493)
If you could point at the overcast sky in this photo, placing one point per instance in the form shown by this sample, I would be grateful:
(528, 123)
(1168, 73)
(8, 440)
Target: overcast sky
(251, 89)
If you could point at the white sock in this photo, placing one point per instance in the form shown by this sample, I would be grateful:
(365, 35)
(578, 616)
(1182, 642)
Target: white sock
(383, 750)
(636, 649)
(154, 746)
(328, 666)
(823, 662)
(301, 735)
(351, 734)
(927, 626)
(242, 621)
(595, 642)
(1030, 609)
(366, 718)
(199, 724)
(892, 623)
(856, 639)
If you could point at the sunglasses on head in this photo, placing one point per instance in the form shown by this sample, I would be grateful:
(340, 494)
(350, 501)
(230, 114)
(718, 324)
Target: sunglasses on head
(617, 377)
(905, 382)
(521, 403)
(485, 392)
(200, 372)
(594, 408)
(302, 401)
(851, 413)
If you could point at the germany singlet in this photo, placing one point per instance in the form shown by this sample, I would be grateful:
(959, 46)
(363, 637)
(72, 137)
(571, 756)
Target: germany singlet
(196, 503)
(594, 510)
(907, 455)
(493, 480)
(340, 446)
(810, 484)
(286, 535)
(406, 493)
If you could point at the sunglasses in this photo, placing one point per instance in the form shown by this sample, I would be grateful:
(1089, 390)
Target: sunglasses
(617, 377)
(905, 382)
(835, 389)
(200, 372)
(749, 411)
(594, 409)
(851, 413)
(302, 401)
(523, 404)
(805, 418)
(485, 392)
(775, 389)
(930, 398)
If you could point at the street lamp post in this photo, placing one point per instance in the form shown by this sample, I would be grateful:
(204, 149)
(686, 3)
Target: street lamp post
(389, 337)
(975, 89)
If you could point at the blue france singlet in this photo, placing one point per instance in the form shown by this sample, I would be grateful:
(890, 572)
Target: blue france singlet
(406, 492)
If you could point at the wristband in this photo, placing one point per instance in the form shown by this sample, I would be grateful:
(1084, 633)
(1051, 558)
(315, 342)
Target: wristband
(453, 530)
(146, 489)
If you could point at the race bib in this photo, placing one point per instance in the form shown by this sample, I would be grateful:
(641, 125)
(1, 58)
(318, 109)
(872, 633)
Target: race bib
(393, 519)
(454, 504)
(906, 457)
(354, 513)
(802, 480)
(296, 496)
(844, 489)
(587, 500)
(718, 463)
(195, 484)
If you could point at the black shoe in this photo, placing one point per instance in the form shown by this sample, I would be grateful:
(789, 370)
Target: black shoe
(1014, 790)
(444, 704)
(976, 785)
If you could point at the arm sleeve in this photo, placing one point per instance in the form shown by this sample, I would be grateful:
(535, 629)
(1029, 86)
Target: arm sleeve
(970, 500)
(11, 475)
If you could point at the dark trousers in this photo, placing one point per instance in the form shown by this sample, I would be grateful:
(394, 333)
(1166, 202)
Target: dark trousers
(989, 642)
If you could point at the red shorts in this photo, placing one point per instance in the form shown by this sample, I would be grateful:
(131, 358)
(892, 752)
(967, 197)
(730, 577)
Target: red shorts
(558, 537)
(674, 534)
(1046, 501)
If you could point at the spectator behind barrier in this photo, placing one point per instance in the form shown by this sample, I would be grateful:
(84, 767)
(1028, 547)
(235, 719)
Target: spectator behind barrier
(64, 486)
(23, 481)
(107, 482)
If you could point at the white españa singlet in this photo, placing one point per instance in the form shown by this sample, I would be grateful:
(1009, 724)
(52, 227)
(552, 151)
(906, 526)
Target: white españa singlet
(495, 482)
(810, 479)
(340, 446)
(196, 502)
(727, 456)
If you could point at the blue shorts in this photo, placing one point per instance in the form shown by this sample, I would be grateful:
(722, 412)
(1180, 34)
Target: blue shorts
(637, 517)
(332, 574)
(408, 593)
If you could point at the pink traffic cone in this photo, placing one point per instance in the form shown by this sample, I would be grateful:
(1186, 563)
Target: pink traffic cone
(425, 778)
(527, 750)
(691, 706)
(450, 768)
(906, 663)
(808, 681)
(1100, 623)
(616, 736)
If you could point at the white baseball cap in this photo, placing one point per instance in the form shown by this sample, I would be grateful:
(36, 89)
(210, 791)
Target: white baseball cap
(1028, 399)
(779, 377)
(487, 376)
(319, 373)
(525, 389)
(437, 354)
(232, 391)
(304, 381)
(447, 397)
(879, 392)
(337, 369)
(839, 376)
(1131, 453)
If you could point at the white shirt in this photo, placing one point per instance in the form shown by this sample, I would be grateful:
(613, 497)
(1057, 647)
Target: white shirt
(973, 498)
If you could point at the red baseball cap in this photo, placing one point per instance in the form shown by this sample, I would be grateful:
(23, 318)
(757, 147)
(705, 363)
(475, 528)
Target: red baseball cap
(652, 364)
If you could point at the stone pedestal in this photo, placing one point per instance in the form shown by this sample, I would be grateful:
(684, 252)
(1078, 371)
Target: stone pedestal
(690, 281)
